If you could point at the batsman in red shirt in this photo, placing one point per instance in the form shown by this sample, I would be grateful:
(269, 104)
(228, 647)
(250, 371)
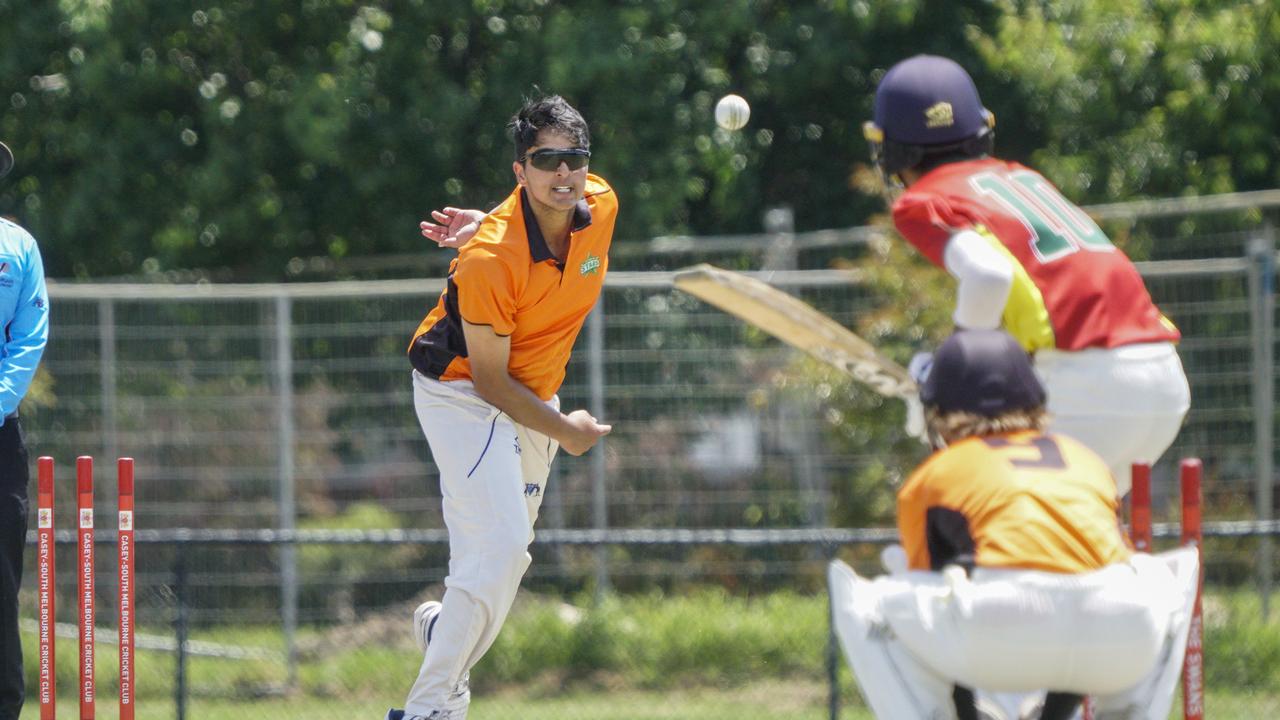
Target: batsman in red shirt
(1029, 261)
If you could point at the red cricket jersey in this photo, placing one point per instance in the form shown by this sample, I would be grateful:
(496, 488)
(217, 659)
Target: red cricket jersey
(1072, 288)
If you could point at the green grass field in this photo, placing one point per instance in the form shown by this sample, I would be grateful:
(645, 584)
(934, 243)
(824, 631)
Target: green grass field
(705, 655)
(761, 701)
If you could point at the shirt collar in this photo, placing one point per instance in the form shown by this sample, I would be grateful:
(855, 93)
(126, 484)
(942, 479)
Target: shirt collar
(537, 243)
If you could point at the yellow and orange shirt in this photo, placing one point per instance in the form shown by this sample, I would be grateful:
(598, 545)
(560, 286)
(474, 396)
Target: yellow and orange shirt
(1021, 500)
(507, 278)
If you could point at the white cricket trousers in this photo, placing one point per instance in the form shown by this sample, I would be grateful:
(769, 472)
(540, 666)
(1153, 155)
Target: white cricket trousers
(1126, 403)
(1117, 633)
(493, 473)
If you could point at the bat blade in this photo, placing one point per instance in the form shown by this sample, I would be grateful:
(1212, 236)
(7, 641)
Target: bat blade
(796, 323)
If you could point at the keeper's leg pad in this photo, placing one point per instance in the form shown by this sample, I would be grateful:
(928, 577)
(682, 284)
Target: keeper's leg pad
(893, 682)
(1152, 697)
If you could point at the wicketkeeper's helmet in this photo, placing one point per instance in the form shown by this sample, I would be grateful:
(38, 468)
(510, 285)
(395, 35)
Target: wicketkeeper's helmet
(926, 105)
(985, 372)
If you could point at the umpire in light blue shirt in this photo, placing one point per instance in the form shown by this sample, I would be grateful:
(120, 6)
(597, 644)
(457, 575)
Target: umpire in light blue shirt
(24, 311)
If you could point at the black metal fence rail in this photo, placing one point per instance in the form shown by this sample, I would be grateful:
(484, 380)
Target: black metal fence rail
(591, 537)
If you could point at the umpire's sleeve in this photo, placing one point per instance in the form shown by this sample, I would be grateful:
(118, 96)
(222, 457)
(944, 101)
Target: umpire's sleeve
(26, 334)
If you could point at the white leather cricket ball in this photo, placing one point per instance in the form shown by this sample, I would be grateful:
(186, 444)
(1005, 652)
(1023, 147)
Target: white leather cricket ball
(732, 112)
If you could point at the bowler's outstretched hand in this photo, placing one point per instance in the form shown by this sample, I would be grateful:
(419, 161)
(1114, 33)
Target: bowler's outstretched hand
(452, 228)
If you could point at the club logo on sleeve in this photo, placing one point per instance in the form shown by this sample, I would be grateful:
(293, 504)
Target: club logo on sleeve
(532, 490)
(589, 266)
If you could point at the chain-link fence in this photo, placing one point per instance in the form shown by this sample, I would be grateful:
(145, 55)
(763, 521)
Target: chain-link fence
(289, 407)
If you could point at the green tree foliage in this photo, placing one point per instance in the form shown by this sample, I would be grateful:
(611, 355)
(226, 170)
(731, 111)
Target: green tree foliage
(1144, 98)
(244, 136)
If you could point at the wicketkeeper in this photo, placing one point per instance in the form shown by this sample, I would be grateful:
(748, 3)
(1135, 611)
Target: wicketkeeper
(1013, 575)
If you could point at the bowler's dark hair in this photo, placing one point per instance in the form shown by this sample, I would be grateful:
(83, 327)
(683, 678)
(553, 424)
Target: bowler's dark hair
(551, 112)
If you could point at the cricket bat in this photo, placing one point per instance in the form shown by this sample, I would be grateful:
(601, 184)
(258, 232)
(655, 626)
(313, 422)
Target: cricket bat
(796, 323)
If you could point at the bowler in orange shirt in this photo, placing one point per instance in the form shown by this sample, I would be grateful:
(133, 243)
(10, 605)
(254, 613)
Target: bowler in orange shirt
(487, 363)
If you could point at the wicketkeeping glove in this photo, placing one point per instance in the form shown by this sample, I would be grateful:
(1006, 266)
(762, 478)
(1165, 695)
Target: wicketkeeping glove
(918, 368)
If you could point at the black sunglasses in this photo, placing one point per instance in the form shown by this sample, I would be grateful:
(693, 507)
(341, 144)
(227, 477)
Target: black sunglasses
(550, 158)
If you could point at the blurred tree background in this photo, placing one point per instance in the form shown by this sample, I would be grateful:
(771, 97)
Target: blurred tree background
(244, 139)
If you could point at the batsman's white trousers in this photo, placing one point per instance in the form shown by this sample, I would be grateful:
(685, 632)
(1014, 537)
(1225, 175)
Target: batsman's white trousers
(1118, 634)
(493, 473)
(1126, 404)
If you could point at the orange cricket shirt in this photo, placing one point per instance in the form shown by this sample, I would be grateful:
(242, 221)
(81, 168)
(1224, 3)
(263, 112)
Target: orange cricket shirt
(506, 277)
(1022, 500)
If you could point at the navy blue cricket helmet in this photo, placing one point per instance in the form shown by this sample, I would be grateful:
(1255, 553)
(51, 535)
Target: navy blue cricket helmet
(926, 105)
(985, 372)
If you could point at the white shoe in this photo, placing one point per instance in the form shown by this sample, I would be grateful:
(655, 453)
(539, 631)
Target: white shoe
(460, 696)
(424, 621)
